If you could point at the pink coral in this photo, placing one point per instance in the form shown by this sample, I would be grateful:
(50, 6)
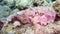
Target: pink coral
(37, 15)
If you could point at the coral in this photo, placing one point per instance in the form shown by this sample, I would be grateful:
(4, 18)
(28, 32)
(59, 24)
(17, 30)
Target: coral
(56, 6)
(47, 3)
(24, 3)
(36, 15)
(4, 13)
